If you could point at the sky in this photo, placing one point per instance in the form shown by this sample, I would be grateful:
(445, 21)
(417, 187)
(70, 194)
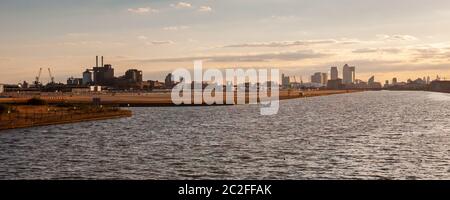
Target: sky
(385, 38)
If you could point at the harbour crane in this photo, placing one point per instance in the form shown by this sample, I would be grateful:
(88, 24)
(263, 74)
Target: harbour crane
(38, 77)
(52, 79)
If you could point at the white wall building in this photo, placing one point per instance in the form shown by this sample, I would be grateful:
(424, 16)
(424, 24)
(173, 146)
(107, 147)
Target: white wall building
(348, 74)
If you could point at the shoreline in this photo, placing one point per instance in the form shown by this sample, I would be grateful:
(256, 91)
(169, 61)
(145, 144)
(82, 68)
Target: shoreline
(31, 116)
(149, 99)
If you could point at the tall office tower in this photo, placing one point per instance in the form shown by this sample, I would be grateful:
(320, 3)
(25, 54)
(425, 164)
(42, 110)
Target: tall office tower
(348, 74)
(334, 73)
(394, 81)
(324, 78)
(317, 78)
(428, 80)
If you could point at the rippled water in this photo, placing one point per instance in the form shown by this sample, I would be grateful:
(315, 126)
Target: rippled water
(370, 135)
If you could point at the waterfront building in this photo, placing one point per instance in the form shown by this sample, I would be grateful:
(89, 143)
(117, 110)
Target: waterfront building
(324, 78)
(74, 81)
(319, 78)
(316, 78)
(349, 74)
(440, 86)
(334, 73)
(87, 77)
(335, 84)
(371, 80)
(103, 75)
(133, 75)
(169, 81)
(285, 81)
(394, 81)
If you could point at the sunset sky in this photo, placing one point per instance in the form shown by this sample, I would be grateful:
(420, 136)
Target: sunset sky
(385, 38)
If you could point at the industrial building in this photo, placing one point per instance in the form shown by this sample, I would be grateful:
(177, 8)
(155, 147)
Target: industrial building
(103, 75)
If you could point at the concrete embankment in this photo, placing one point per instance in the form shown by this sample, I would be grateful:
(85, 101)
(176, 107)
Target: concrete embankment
(23, 116)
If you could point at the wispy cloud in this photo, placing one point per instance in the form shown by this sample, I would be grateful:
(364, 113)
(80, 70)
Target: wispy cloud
(205, 9)
(379, 50)
(284, 43)
(263, 57)
(181, 5)
(142, 37)
(77, 34)
(397, 37)
(422, 54)
(161, 42)
(175, 28)
(142, 10)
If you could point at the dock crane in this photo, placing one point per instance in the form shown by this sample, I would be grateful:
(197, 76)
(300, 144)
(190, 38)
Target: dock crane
(52, 79)
(38, 77)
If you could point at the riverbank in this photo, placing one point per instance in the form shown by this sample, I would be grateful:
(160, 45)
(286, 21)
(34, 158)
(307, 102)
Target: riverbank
(72, 108)
(24, 116)
(150, 99)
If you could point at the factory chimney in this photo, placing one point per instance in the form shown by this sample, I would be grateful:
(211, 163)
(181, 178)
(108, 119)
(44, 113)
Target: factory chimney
(102, 62)
(96, 61)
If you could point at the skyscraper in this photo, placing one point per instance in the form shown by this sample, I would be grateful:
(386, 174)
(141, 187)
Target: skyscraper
(320, 78)
(317, 78)
(348, 74)
(334, 73)
(324, 78)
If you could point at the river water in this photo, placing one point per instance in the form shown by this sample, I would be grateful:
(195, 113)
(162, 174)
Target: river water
(368, 135)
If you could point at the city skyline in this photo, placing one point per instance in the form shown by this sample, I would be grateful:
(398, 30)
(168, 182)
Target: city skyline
(383, 39)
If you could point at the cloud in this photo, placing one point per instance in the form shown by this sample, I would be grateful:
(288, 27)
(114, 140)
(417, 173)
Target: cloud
(205, 9)
(422, 54)
(181, 5)
(77, 34)
(82, 43)
(283, 44)
(143, 10)
(175, 28)
(264, 57)
(161, 42)
(379, 50)
(142, 37)
(397, 37)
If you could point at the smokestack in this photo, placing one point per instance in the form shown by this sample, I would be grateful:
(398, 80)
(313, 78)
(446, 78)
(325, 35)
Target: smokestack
(102, 62)
(96, 61)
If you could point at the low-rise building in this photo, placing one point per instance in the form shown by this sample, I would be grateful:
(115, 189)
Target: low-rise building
(440, 86)
(335, 84)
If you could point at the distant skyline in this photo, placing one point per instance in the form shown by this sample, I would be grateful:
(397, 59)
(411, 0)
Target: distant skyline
(402, 38)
